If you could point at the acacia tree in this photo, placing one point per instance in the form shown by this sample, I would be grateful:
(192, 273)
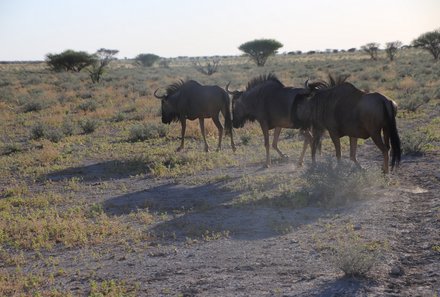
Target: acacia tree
(103, 57)
(391, 49)
(70, 60)
(429, 41)
(146, 60)
(209, 67)
(260, 49)
(371, 48)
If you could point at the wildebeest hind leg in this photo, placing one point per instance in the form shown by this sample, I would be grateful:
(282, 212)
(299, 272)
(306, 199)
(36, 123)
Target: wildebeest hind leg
(337, 143)
(182, 141)
(315, 143)
(202, 129)
(307, 140)
(377, 138)
(220, 131)
(276, 136)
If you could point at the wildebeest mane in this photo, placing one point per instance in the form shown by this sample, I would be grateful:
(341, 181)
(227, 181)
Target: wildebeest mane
(261, 79)
(174, 88)
(337, 80)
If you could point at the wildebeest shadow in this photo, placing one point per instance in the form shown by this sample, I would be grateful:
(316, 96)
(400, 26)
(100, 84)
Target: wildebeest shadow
(169, 198)
(209, 209)
(115, 169)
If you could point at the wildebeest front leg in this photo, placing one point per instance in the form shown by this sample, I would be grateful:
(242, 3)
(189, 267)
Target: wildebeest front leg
(353, 148)
(276, 136)
(220, 131)
(182, 140)
(202, 129)
(265, 129)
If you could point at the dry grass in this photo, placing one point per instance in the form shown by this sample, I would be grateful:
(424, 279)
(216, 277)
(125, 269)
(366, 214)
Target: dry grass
(39, 214)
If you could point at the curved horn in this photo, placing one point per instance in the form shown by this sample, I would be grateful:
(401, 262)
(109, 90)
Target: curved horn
(157, 96)
(306, 84)
(227, 89)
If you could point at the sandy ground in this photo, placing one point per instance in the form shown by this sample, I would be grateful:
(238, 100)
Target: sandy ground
(260, 250)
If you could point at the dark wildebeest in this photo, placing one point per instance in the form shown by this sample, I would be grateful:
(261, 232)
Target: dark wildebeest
(344, 110)
(190, 100)
(269, 102)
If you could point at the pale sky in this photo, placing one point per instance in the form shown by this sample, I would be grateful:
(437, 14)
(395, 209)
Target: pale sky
(29, 29)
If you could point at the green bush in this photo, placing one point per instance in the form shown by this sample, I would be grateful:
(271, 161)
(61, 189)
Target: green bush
(89, 125)
(245, 139)
(415, 142)
(11, 148)
(89, 105)
(41, 130)
(54, 135)
(68, 128)
(147, 131)
(33, 106)
(38, 131)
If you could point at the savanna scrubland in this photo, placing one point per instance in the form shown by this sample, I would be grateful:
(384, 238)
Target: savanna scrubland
(95, 201)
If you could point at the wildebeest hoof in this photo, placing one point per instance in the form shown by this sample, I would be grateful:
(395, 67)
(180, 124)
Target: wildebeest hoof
(206, 149)
(266, 165)
(299, 164)
(179, 149)
(234, 149)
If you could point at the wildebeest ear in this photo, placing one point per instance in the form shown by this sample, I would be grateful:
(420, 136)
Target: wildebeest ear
(159, 97)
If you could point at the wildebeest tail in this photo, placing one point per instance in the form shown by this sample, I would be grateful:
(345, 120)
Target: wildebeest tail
(227, 114)
(394, 135)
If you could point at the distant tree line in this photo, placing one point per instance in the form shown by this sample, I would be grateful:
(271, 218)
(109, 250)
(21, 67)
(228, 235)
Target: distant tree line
(258, 50)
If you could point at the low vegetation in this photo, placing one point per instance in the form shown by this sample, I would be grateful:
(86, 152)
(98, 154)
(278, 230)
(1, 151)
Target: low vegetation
(68, 144)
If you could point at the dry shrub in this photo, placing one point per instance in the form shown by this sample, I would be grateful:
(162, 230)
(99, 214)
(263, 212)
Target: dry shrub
(48, 154)
(353, 256)
(147, 131)
(407, 83)
(332, 184)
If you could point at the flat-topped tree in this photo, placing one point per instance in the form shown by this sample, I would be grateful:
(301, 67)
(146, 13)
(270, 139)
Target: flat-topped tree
(70, 60)
(429, 41)
(260, 50)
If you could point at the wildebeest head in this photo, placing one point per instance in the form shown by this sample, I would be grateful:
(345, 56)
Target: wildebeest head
(239, 111)
(169, 113)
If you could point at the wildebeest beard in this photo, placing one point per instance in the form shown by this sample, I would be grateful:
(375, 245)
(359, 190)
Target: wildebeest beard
(170, 117)
(239, 123)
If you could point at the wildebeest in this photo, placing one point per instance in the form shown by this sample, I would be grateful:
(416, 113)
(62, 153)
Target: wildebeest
(344, 110)
(190, 100)
(269, 102)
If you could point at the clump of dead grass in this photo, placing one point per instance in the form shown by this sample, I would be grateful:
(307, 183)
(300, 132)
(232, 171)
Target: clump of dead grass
(331, 184)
